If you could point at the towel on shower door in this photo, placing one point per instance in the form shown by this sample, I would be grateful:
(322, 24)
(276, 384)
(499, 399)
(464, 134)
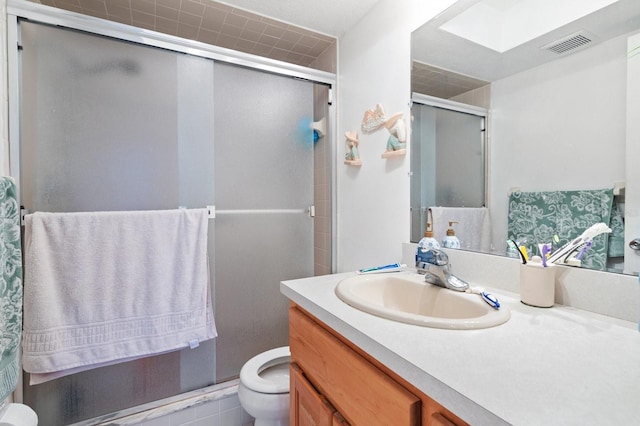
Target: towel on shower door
(10, 288)
(473, 228)
(106, 287)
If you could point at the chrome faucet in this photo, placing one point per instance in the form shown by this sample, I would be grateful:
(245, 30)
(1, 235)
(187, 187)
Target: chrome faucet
(437, 270)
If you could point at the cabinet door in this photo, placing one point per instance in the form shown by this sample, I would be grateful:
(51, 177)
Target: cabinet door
(361, 392)
(308, 408)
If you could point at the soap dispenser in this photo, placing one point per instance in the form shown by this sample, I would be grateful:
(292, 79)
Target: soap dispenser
(428, 242)
(450, 240)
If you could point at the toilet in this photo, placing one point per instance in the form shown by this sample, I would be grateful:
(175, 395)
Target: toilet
(264, 387)
(17, 415)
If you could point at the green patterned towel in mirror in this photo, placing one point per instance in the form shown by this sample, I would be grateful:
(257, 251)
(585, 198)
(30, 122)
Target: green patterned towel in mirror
(10, 288)
(616, 238)
(535, 217)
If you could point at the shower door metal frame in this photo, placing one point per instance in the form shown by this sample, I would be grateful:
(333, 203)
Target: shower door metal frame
(20, 9)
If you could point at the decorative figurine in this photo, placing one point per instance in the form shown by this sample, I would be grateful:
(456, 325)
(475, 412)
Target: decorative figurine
(373, 119)
(397, 142)
(352, 156)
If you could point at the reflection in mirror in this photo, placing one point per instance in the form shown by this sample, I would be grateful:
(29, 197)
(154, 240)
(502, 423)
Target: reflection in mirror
(448, 158)
(557, 100)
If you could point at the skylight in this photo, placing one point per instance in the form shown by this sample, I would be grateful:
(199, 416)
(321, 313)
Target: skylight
(502, 25)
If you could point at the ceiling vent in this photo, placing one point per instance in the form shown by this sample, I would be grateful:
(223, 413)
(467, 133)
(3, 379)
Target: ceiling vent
(569, 43)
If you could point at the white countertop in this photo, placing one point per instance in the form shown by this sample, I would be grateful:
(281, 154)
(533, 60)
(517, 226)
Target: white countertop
(543, 367)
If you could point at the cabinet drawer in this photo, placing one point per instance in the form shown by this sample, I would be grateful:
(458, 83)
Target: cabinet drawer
(362, 393)
(307, 407)
(434, 414)
(438, 419)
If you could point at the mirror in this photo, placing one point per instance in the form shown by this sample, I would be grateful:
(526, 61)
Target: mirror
(557, 98)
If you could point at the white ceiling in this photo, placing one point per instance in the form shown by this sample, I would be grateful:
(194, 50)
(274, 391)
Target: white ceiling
(331, 17)
(431, 45)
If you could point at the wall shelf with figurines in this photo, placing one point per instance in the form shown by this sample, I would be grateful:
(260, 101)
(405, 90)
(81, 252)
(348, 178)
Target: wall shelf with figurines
(375, 119)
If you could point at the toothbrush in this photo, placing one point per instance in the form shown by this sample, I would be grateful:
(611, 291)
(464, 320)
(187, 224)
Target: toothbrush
(586, 247)
(489, 298)
(513, 245)
(585, 237)
(545, 250)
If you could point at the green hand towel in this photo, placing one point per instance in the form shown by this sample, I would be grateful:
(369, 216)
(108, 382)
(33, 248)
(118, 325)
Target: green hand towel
(10, 287)
(616, 238)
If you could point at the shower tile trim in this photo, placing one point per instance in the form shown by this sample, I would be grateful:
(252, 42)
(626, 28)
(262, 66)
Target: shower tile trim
(186, 402)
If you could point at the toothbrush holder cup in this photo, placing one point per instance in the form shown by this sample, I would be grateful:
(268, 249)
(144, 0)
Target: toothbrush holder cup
(537, 284)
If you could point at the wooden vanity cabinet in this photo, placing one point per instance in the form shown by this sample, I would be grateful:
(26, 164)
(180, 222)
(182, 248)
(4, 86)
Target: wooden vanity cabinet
(335, 383)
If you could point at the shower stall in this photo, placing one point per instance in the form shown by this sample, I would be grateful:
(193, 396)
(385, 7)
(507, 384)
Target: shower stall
(104, 119)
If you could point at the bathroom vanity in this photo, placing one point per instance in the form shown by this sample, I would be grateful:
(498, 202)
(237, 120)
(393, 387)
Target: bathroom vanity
(544, 366)
(333, 379)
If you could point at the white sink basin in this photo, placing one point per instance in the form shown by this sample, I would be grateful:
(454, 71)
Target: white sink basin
(408, 298)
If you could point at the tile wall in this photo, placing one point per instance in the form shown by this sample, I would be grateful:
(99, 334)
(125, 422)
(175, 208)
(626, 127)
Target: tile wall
(322, 174)
(213, 23)
(441, 83)
(480, 97)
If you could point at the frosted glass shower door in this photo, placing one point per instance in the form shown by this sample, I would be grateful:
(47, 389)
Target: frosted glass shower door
(264, 185)
(460, 159)
(111, 125)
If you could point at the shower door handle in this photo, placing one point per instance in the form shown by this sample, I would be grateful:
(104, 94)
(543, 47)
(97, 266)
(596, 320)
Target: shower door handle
(311, 211)
(635, 244)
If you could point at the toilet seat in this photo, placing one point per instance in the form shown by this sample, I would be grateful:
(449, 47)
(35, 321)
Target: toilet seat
(16, 414)
(250, 372)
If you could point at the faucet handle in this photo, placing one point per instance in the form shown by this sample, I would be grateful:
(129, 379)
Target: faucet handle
(431, 256)
(435, 257)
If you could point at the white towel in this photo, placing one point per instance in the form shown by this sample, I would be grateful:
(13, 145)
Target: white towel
(473, 228)
(106, 287)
